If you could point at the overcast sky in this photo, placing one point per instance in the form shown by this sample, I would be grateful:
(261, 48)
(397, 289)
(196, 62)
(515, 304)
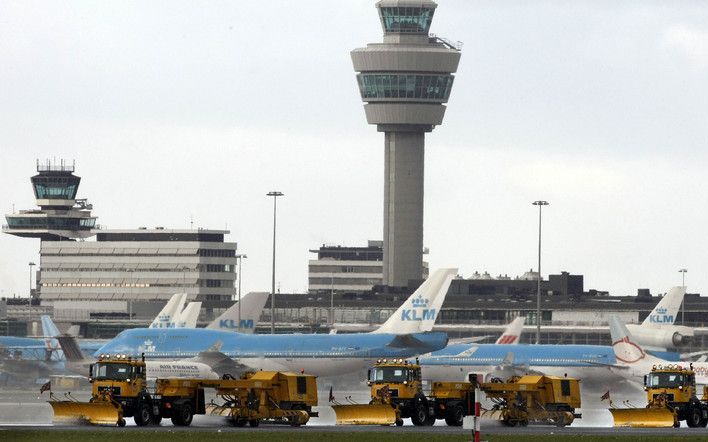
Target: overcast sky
(181, 109)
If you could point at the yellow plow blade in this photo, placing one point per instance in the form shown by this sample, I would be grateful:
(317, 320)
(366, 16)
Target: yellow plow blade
(642, 417)
(98, 413)
(365, 414)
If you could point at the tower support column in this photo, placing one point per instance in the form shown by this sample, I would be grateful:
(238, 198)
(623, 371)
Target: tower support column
(403, 207)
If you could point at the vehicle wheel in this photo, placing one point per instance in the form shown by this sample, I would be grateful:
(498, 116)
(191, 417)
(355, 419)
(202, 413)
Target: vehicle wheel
(143, 416)
(419, 410)
(694, 417)
(524, 423)
(703, 422)
(399, 422)
(677, 424)
(294, 421)
(121, 422)
(419, 415)
(156, 420)
(186, 415)
(239, 422)
(429, 421)
(511, 422)
(254, 422)
(454, 416)
(560, 421)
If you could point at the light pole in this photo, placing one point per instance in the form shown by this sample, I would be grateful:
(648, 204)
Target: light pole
(240, 258)
(31, 264)
(331, 301)
(275, 194)
(683, 302)
(540, 205)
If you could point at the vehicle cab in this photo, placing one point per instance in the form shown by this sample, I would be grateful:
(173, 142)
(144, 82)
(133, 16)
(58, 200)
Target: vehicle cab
(396, 378)
(119, 376)
(676, 381)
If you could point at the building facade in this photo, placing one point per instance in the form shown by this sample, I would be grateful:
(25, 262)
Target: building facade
(122, 267)
(342, 269)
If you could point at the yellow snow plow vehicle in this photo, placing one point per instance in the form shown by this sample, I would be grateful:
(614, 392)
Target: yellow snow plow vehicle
(120, 390)
(533, 399)
(397, 393)
(671, 398)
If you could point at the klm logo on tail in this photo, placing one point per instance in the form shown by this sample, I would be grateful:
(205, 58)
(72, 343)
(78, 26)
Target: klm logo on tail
(419, 312)
(661, 317)
(230, 323)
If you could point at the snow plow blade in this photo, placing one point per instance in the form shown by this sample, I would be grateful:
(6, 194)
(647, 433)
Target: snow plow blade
(365, 414)
(642, 417)
(97, 413)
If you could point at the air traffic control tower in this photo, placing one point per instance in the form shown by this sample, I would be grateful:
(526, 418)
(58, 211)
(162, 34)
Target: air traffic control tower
(404, 82)
(60, 217)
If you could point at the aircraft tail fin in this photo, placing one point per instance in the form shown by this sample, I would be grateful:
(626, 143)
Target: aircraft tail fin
(251, 308)
(187, 318)
(166, 317)
(627, 351)
(666, 310)
(419, 312)
(49, 329)
(513, 331)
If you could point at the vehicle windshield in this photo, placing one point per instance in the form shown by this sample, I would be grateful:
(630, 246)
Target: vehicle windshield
(389, 374)
(113, 372)
(669, 380)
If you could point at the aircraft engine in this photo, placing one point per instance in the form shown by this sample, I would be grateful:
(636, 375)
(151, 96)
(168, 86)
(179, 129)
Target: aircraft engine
(665, 337)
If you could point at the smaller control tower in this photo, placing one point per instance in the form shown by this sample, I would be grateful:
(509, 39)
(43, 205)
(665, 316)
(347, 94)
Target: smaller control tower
(404, 83)
(60, 215)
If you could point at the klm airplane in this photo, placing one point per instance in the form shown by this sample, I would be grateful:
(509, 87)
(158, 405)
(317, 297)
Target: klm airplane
(405, 334)
(37, 358)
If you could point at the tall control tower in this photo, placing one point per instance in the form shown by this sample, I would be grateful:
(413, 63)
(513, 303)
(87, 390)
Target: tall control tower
(404, 82)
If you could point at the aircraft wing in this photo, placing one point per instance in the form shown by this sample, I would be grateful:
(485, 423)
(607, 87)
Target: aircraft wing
(686, 356)
(471, 340)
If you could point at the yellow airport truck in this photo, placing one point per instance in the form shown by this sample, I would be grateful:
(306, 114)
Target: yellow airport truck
(120, 390)
(397, 393)
(671, 398)
(521, 400)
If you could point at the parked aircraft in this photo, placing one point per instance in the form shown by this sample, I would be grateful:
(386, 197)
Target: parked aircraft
(404, 334)
(658, 331)
(39, 357)
(633, 361)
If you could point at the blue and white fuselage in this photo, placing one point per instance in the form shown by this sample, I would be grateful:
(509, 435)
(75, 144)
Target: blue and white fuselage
(456, 361)
(318, 354)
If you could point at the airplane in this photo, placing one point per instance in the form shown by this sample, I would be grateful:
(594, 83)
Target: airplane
(633, 361)
(77, 362)
(188, 317)
(170, 313)
(405, 334)
(44, 356)
(658, 331)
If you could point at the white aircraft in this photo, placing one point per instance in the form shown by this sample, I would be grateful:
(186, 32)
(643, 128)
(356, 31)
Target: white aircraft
(251, 308)
(658, 331)
(170, 312)
(187, 318)
(633, 361)
(513, 331)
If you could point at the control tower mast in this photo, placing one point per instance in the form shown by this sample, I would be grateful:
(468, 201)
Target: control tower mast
(404, 82)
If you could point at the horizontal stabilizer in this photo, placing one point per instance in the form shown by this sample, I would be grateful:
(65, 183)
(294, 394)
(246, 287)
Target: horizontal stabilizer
(406, 341)
(71, 349)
